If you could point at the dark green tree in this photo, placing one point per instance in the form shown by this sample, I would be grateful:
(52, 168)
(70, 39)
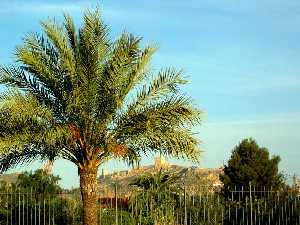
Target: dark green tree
(38, 182)
(249, 180)
(31, 190)
(250, 163)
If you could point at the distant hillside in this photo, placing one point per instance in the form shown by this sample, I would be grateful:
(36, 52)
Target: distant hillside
(194, 178)
(9, 178)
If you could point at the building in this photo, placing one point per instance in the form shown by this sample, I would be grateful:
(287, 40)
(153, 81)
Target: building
(161, 163)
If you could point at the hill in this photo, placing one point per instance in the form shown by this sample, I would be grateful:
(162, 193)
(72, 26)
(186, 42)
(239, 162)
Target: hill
(193, 178)
(9, 178)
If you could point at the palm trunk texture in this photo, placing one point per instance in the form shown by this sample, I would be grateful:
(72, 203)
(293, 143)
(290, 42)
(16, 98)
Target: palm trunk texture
(88, 187)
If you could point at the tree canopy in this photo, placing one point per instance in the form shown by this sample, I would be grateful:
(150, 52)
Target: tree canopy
(86, 98)
(38, 182)
(251, 163)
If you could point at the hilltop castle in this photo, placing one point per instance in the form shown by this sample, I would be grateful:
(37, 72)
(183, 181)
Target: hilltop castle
(161, 163)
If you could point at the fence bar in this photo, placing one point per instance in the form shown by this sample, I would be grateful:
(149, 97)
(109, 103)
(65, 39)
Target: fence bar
(116, 205)
(185, 207)
(244, 206)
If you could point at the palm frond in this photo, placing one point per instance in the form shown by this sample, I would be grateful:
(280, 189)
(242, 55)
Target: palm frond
(16, 77)
(161, 127)
(56, 35)
(15, 157)
(179, 143)
(40, 59)
(137, 73)
(116, 78)
(29, 130)
(127, 67)
(166, 82)
(93, 46)
(21, 109)
(176, 111)
(71, 32)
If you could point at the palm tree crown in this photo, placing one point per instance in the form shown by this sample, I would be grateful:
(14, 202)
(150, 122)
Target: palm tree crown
(85, 98)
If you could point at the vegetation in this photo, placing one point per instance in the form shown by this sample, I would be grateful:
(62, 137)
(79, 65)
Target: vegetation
(163, 198)
(251, 164)
(158, 198)
(154, 201)
(76, 94)
(35, 196)
(38, 182)
(124, 217)
(252, 176)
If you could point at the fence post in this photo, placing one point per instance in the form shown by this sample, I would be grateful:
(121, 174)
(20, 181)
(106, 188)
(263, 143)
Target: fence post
(251, 219)
(19, 206)
(31, 207)
(185, 211)
(99, 202)
(7, 207)
(243, 211)
(23, 210)
(116, 205)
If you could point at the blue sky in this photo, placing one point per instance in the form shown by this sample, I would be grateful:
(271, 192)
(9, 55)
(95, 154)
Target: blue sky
(242, 58)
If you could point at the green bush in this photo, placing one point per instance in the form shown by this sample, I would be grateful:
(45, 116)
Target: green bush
(108, 217)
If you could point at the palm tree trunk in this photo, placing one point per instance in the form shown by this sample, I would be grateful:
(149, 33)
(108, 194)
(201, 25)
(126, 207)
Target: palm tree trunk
(88, 188)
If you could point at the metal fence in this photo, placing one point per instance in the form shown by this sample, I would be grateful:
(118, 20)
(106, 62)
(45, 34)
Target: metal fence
(17, 208)
(243, 206)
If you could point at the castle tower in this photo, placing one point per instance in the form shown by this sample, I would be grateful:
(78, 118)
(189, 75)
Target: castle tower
(160, 163)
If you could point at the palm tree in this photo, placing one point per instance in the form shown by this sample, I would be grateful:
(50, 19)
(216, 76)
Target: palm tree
(80, 96)
(154, 199)
(160, 181)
